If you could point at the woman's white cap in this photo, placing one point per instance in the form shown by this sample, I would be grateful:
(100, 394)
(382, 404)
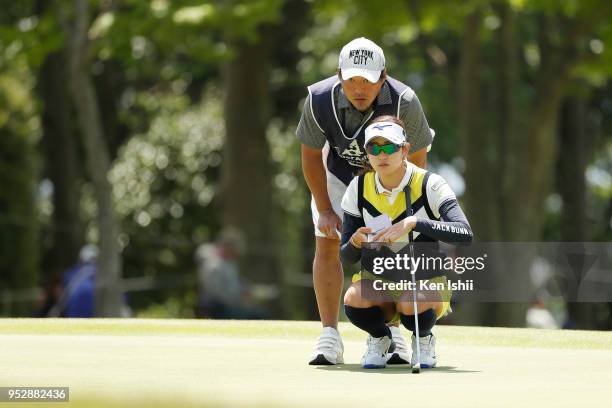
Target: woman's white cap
(388, 130)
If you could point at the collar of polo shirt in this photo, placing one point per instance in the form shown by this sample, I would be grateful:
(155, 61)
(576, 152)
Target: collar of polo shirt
(380, 189)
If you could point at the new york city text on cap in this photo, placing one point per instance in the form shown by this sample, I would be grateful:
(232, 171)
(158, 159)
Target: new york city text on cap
(361, 57)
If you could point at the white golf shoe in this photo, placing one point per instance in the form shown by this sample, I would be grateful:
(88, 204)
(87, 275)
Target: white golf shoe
(428, 351)
(376, 354)
(400, 354)
(329, 349)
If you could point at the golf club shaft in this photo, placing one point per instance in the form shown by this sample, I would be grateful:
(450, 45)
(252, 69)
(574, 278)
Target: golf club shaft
(414, 305)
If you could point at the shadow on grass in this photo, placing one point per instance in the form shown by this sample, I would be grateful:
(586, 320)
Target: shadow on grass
(394, 369)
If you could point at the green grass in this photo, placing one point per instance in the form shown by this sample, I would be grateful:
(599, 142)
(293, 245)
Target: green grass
(174, 363)
(460, 335)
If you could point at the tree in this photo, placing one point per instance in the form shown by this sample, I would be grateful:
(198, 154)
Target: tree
(19, 165)
(60, 147)
(108, 291)
(19, 252)
(247, 189)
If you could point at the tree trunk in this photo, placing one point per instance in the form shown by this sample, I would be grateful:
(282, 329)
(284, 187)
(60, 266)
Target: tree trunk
(108, 291)
(18, 215)
(61, 162)
(108, 84)
(246, 172)
(575, 138)
(507, 72)
(571, 182)
(472, 141)
(507, 160)
(476, 145)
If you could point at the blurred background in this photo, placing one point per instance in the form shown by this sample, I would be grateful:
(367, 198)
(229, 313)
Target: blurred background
(149, 165)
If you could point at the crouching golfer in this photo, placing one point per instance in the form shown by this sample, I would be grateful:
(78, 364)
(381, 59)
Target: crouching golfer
(437, 217)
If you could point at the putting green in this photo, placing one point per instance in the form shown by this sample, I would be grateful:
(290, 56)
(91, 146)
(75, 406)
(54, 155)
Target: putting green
(173, 363)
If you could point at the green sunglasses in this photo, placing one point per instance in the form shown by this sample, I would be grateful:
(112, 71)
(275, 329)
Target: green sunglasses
(375, 149)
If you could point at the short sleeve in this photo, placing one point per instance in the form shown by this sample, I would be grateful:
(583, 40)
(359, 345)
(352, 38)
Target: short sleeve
(417, 128)
(438, 192)
(349, 201)
(308, 131)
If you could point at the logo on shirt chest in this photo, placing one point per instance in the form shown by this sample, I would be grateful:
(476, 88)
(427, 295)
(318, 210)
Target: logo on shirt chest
(353, 154)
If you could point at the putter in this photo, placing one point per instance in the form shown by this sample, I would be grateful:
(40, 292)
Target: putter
(416, 368)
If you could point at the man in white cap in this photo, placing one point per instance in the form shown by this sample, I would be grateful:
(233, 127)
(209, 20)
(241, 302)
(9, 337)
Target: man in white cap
(331, 130)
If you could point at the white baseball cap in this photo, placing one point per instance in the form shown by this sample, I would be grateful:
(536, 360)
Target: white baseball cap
(88, 253)
(361, 57)
(388, 130)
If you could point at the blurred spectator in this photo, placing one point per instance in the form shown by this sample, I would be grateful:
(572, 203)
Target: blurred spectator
(79, 294)
(78, 297)
(548, 309)
(223, 294)
(539, 317)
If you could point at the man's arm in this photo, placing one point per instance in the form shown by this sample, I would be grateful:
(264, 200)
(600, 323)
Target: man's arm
(313, 140)
(419, 158)
(316, 179)
(417, 128)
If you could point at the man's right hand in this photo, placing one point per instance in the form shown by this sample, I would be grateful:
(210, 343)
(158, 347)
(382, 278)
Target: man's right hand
(316, 178)
(329, 223)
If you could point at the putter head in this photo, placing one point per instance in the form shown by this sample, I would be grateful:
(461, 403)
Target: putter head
(416, 369)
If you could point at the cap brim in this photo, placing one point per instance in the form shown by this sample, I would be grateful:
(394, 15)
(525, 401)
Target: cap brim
(371, 76)
(368, 139)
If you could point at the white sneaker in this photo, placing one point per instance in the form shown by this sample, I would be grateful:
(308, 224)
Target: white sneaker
(376, 354)
(400, 354)
(428, 351)
(329, 349)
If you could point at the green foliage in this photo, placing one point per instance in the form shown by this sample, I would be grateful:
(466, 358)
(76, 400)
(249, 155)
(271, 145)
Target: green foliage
(165, 182)
(30, 35)
(174, 307)
(165, 52)
(19, 132)
(178, 32)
